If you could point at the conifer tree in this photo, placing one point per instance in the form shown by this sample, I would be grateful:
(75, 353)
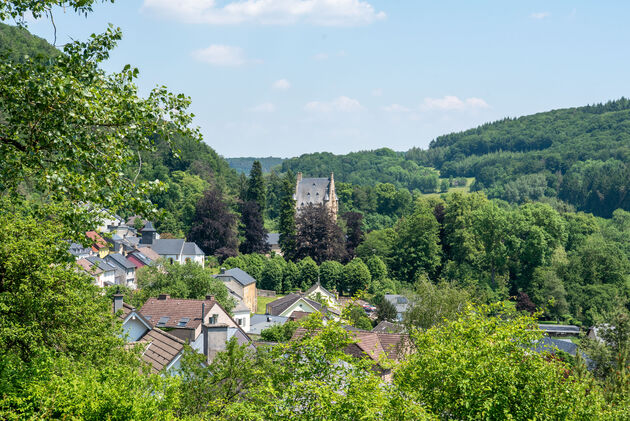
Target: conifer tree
(256, 187)
(287, 217)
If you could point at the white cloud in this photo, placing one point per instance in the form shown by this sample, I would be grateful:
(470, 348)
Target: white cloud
(281, 84)
(449, 103)
(540, 15)
(222, 55)
(341, 104)
(321, 56)
(396, 108)
(265, 107)
(271, 12)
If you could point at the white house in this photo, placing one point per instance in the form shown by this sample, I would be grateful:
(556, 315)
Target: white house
(174, 250)
(317, 292)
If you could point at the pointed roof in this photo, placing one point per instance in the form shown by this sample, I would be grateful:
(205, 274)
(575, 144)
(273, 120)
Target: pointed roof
(148, 227)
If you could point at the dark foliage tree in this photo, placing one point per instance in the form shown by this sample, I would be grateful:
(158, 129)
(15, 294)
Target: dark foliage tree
(214, 226)
(354, 231)
(287, 217)
(253, 229)
(318, 236)
(256, 187)
(524, 303)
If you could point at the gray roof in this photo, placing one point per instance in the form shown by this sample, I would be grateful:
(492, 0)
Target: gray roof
(560, 329)
(312, 190)
(273, 238)
(388, 327)
(240, 275)
(148, 227)
(191, 249)
(278, 306)
(174, 246)
(77, 249)
(260, 322)
(105, 267)
(119, 260)
(550, 345)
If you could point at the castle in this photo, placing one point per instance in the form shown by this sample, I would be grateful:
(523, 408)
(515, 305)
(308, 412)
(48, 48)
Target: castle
(319, 191)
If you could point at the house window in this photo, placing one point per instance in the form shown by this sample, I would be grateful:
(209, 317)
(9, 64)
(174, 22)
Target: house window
(240, 322)
(162, 322)
(213, 319)
(183, 322)
(170, 259)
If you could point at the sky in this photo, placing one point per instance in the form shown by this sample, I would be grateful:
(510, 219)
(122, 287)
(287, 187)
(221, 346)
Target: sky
(287, 77)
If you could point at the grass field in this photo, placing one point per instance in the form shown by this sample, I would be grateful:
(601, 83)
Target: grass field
(263, 301)
(463, 189)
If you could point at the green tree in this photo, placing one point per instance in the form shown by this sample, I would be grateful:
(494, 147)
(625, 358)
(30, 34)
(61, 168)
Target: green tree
(419, 251)
(272, 274)
(308, 273)
(290, 277)
(432, 304)
(287, 217)
(331, 275)
(480, 366)
(189, 280)
(356, 276)
(279, 332)
(378, 269)
(66, 106)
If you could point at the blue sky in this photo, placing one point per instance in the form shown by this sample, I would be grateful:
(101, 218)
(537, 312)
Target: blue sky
(286, 77)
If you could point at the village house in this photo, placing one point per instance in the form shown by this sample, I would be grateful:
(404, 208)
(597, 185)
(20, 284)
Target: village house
(161, 350)
(295, 306)
(260, 322)
(400, 302)
(173, 250)
(204, 324)
(241, 284)
(316, 191)
(103, 273)
(374, 346)
(99, 245)
(320, 294)
(125, 269)
(273, 241)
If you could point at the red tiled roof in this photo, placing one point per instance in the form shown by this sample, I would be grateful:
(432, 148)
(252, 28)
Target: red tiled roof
(161, 348)
(89, 267)
(99, 242)
(175, 310)
(373, 345)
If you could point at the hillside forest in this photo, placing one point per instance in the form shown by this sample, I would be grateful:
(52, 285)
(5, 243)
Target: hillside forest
(488, 232)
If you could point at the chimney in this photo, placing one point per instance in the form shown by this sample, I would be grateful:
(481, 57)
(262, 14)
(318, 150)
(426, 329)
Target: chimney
(222, 271)
(210, 297)
(299, 177)
(163, 297)
(203, 311)
(204, 332)
(118, 302)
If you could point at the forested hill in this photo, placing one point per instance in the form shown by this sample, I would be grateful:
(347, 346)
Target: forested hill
(578, 155)
(17, 42)
(244, 165)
